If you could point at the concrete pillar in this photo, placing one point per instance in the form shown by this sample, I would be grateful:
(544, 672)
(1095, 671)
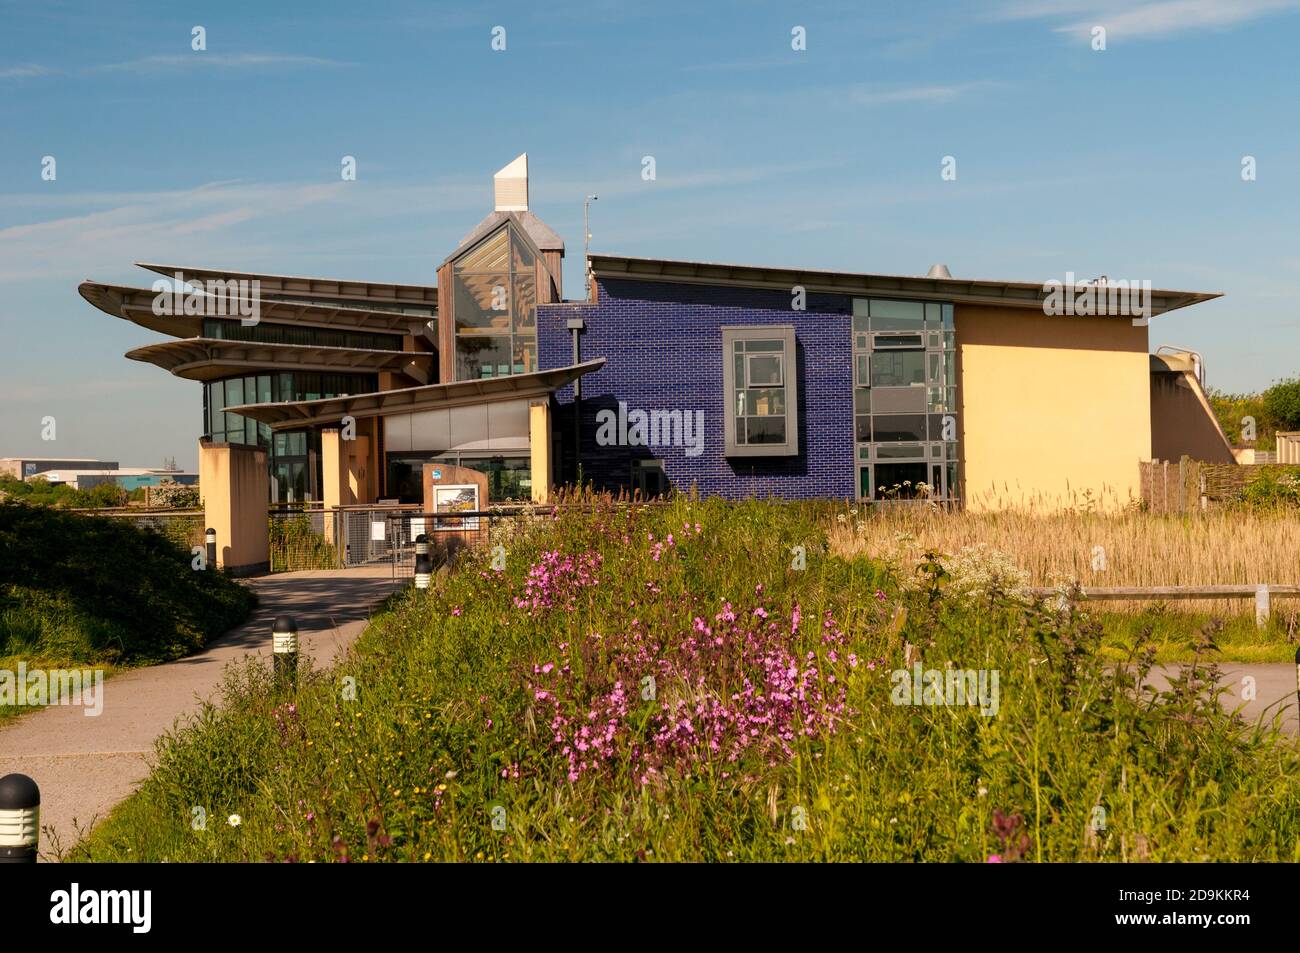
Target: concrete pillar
(539, 445)
(335, 485)
(236, 493)
(345, 470)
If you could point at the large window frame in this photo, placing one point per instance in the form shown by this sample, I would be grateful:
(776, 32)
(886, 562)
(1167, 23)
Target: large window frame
(494, 306)
(899, 417)
(737, 357)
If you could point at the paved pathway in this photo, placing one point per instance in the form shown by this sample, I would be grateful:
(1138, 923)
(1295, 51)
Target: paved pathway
(1275, 689)
(86, 765)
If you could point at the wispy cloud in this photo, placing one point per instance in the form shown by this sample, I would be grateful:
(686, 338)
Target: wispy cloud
(1152, 20)
(25, 71)
(206, 60)
(874, 96)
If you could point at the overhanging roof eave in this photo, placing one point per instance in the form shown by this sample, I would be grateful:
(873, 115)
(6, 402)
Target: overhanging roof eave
(967, 291)
(283, 415)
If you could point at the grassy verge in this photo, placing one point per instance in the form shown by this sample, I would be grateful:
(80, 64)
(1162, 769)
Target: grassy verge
(87, 592)
(632, 687)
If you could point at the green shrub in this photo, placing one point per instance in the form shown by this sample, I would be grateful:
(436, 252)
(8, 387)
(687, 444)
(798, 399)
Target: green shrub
(1273, 487)
(81, 588)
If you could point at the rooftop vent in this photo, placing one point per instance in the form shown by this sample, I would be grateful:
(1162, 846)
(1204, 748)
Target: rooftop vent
(511, 186)
(938, 271)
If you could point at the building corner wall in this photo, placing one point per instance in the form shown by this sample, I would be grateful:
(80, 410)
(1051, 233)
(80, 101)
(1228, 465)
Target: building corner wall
(1054, 411)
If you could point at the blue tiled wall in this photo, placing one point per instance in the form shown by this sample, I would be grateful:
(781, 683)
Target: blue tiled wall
(663, 348)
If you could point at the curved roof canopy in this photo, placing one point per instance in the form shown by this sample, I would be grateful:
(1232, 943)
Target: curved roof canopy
(206, 359)
(1009, 294)
(287, 414)
(137, 306)
(362, 292)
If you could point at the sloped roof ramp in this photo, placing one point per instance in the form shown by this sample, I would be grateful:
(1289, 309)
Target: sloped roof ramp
(301, 413)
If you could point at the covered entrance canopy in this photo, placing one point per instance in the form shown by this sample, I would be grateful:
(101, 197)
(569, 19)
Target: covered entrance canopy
(508, 414)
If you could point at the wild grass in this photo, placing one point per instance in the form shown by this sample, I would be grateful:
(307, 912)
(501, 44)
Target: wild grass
(454, 730)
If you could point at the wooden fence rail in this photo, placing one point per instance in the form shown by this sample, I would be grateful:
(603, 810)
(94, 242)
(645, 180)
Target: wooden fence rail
(1262, 594)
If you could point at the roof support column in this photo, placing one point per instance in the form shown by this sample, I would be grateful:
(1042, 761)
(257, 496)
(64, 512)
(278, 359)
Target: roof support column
(539, 445)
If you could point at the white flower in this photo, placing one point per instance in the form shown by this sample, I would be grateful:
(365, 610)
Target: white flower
(234, 820)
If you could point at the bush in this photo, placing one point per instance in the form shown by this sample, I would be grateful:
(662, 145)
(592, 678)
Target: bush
(173, 495)
(1273, 487)
(81, 588)
(1282, 401)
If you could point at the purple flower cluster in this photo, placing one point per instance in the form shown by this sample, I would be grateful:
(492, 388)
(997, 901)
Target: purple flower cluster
(554, 580)
(735, 686)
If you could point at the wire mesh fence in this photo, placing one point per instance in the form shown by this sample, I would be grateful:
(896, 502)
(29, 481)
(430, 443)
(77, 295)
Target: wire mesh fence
(303, 538)
(183, 527)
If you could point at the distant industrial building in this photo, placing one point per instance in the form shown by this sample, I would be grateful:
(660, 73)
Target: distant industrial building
(20, 468)
(128, 478)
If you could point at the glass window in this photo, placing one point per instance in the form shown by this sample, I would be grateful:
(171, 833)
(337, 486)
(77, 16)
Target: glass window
(901, 451)
(764, 370)
(478, 357)
(903, 481)
(761, 418)
(509, 478)
(889, 315)
(891, 428)
(494, 305)
(897, 368)
(882, 341)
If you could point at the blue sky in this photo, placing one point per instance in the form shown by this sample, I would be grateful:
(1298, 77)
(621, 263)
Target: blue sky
(1124, 162)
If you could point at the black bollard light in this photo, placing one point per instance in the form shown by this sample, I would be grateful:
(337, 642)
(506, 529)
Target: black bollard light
(423, 564)
(284, 649)
(210, 538)
(20, 815)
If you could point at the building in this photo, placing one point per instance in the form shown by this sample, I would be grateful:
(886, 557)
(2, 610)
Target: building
(20, 468)
(736, 380)
(128, 478)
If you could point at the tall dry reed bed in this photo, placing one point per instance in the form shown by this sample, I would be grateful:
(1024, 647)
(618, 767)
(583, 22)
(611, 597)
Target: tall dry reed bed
(1126, 547)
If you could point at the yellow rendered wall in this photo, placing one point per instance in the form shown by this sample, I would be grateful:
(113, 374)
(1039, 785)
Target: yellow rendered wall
(539, 446)
(236, 492)
(1051, 408)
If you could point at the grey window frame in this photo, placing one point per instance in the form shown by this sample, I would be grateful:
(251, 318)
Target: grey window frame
(790, 377)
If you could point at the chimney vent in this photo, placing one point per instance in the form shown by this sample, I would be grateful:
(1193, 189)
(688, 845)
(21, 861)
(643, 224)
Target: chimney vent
(938, 271)
(511, 186)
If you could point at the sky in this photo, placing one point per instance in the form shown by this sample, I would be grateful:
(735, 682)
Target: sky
(1125, 161)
